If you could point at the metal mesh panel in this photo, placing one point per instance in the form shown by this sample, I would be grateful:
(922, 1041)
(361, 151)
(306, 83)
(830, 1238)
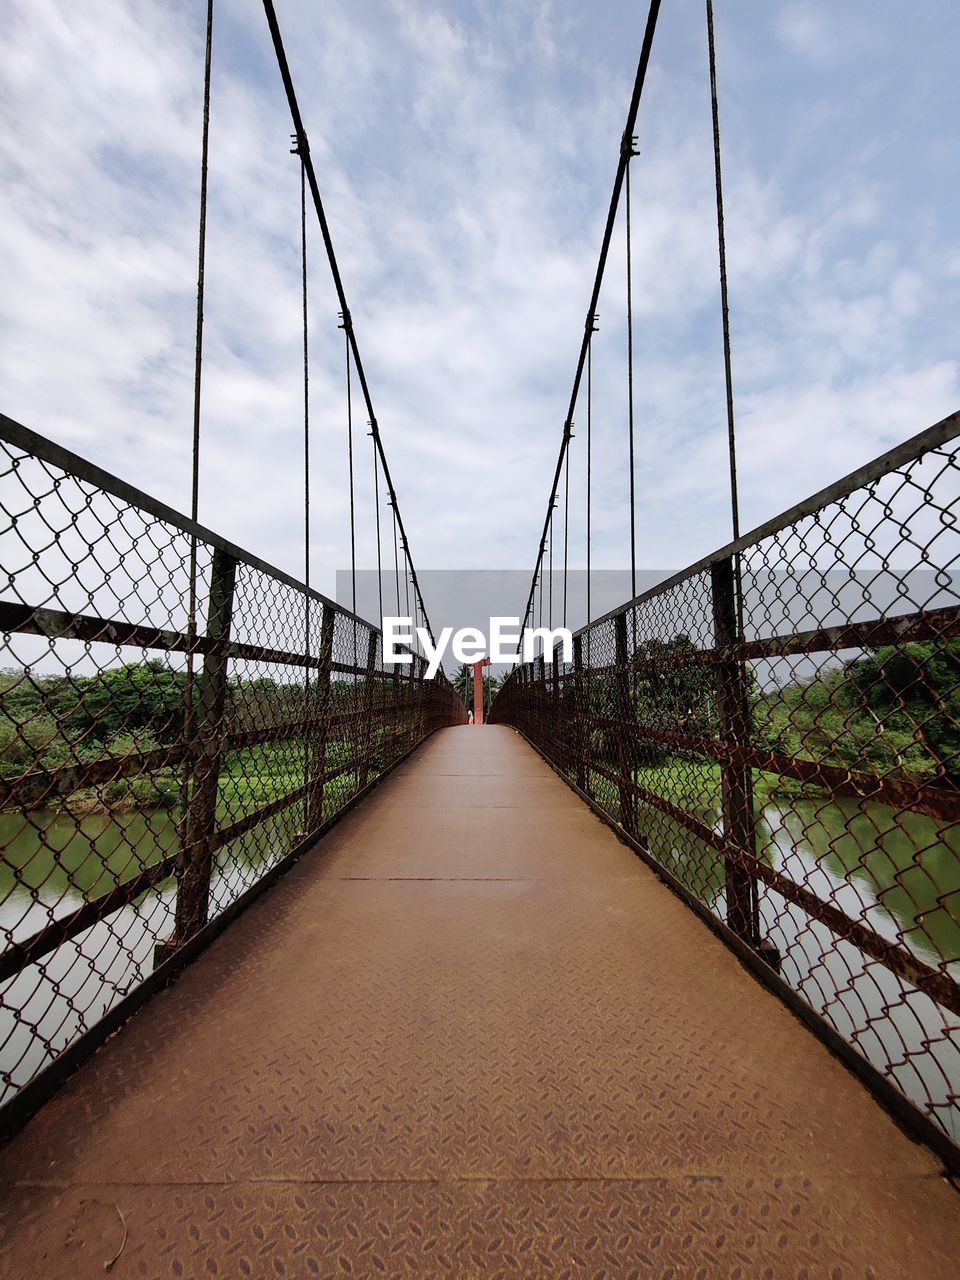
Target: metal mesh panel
(149, 778)
(779, 729)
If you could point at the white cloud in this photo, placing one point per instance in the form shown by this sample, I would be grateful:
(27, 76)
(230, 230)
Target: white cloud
(465, 160)
(805, 31)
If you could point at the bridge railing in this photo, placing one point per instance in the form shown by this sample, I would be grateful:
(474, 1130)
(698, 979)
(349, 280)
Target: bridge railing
(777, 729)
(154, 771)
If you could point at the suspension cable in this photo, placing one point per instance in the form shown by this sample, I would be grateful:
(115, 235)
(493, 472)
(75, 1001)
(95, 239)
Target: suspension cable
(201, 263)
(724, 300)
(284, 68)
(589, 472)
(376, 507)
(652, 15)
(306, 395)
(353, 532)
(566, 530)
(550, 579)
(308, 709)
(396, 558)
(633, 481)
(197, 377)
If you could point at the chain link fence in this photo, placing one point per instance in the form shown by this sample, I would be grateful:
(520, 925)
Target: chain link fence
(778, 729)
(153, 769)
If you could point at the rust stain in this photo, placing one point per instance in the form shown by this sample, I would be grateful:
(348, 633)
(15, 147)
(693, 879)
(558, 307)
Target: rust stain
(470, 1039)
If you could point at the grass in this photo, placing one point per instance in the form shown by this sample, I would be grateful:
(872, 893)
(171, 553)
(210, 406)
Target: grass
(249, 779)
(691, 785)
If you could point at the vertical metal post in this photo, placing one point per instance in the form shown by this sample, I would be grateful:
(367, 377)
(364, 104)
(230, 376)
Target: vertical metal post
(413, 700)
(407, 677)
(320, 722)
(395, 712)
(193, 887)
(410, 715)
(533, 699)
(578, 712)
(407, 682)
(624, 714)
(368, 710)
(541, 692)
(421, 676)
(555, 704)
(739, 824)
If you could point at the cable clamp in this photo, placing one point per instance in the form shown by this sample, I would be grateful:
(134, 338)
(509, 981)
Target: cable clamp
(628, 146)
(346, 324)
(592, 322)
(299, 146)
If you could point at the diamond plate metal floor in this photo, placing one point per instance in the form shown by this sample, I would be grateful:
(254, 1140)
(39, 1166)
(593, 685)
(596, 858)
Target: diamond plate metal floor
(470, 1035)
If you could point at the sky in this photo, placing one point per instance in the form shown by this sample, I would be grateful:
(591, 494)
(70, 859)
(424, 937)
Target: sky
(466, 153)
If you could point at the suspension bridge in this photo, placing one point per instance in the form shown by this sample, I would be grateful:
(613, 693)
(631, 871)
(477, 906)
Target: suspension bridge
(655, 974)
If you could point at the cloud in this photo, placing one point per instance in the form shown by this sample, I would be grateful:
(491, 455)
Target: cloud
(465, 158)
(805, 31)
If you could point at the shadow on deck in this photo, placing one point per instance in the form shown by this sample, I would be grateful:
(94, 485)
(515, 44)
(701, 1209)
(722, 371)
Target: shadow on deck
(471, 1034)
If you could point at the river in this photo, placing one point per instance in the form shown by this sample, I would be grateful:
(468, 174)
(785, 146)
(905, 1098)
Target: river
(901, 877)
(51, 864)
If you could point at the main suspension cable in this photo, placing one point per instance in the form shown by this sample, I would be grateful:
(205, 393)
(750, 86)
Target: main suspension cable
(284, 68)
(645, 50)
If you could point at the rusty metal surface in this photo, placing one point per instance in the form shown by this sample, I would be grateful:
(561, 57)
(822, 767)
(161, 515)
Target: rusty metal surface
(471, 1040)
(777, 727)
(140, 797)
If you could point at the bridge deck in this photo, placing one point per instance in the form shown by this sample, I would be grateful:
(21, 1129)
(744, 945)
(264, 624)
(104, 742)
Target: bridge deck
(471, 1035)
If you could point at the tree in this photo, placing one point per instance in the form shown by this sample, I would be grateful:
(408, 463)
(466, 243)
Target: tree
(671, 689)
(895, 710)
(905, 704)
(463, 684)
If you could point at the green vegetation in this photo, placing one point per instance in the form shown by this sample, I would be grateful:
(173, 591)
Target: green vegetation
(895, 711)
(50, 723)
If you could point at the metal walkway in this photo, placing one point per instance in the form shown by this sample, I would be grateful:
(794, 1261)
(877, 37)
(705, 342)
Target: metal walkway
(470, 1035)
